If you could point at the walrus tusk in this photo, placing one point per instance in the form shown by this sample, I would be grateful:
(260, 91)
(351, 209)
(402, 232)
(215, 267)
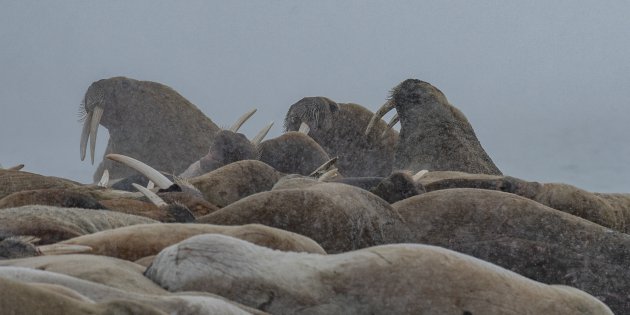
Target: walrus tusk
(419, 175)
(153, 197)
(391, 124)
(160, 180)
(104, 179)
(16, 168)
(304, 128)
(262, 134)
(237, 125)
(85, 134)
(385, 108)
(324, 167)
(97, 113)
(334, 172)
(63, 249)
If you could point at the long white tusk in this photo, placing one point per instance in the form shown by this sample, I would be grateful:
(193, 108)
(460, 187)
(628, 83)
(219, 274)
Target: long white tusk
(262, 134)
(419, 175)
(385, 108)
(160, 180)
(62, 249)
(104, 179)
(153, 197)
(16, 168)
(237, 125)
(85, 134)
(304, 128)
(96, 119)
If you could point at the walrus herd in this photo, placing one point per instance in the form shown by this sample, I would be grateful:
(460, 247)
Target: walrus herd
(340, 214)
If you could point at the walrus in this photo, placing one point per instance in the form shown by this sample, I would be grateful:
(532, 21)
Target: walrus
(609, 210)
(190, 303)
(339, 129)
(292, 152)
(434, 135)
(147, 121)
(235, 181)
(15, 181)
(526, 237)
(337, 216)
(138, 241)
(113, 272)
(388, 279)
(54, 224)
(23, 298)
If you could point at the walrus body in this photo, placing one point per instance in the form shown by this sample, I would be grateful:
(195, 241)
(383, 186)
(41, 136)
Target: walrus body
(147, 121)
(390, 279)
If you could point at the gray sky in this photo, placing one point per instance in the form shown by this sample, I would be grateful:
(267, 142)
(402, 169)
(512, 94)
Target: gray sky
(545, 84)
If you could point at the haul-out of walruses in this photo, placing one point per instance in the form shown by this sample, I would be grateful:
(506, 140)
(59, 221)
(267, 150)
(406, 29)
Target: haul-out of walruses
(434, 135)
(147, 121)
(389, 279)
(339, 129)
(526, 237)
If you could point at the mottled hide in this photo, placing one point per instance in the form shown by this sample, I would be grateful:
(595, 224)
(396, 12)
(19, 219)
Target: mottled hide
(15, 181)
(339, 129)
(609, 210)
(234, 181)
(292, 153)
(109, 271)
(52, 224)
(138, 241)
(526, 237)
(150, 122)
(64, 198)
(193, 303)
(390, 279)
(26, 299)
(337, 216)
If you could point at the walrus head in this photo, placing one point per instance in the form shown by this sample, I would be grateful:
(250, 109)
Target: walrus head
(316, 112)
(411, 95)
(91, 111)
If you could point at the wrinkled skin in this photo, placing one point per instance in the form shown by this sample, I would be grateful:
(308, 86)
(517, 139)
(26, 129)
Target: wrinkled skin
(149, 122)
(434, 135)
(339, 129)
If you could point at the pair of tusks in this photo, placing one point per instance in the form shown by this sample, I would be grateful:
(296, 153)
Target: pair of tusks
(14, 168)
(385, 108)
(90, 128)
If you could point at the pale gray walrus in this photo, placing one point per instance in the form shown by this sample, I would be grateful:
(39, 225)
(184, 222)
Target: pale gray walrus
(389, 279)
(434, 135)
(339, 129)
(147, 121)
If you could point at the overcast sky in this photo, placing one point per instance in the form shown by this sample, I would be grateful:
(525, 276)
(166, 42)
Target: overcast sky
(545, 84)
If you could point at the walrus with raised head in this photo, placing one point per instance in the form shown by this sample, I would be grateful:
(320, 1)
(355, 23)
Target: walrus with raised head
(434, 135)
(147, 121)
